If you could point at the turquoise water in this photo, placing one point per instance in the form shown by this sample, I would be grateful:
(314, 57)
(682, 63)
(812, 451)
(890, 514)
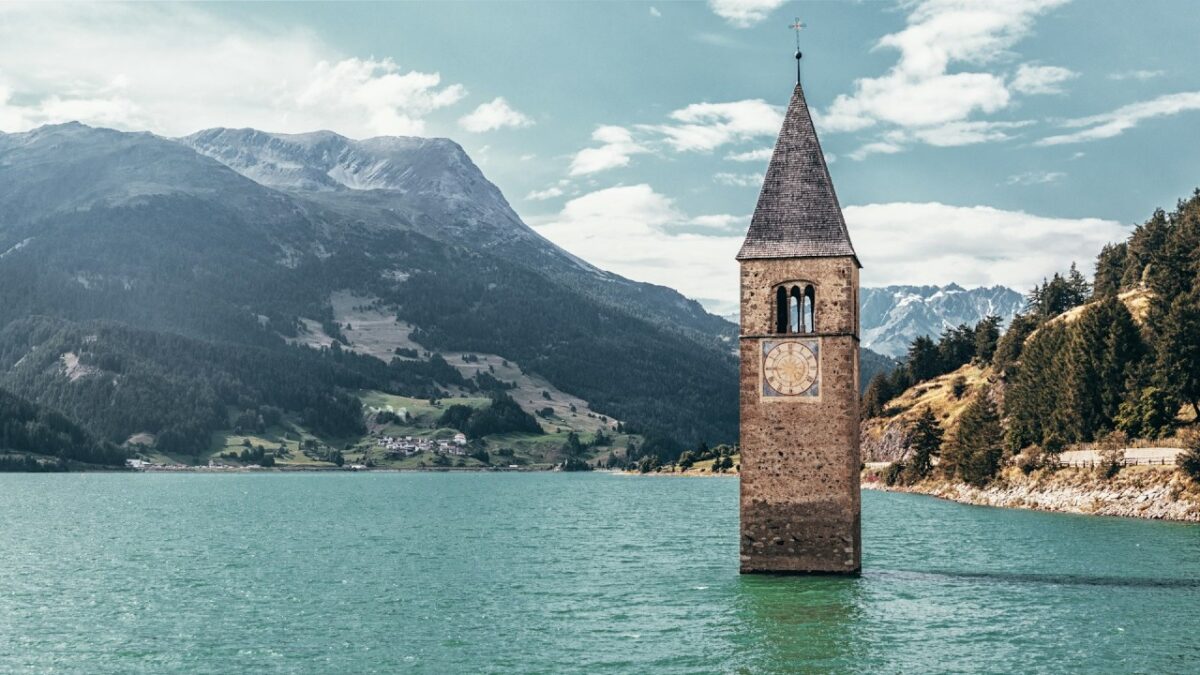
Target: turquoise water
(449, 573)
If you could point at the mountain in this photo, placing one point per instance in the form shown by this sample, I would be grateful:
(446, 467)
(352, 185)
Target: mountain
(161, 288)
(894, 315)
(431, 186)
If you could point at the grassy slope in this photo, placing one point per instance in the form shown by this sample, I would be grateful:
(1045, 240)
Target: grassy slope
(880, 435)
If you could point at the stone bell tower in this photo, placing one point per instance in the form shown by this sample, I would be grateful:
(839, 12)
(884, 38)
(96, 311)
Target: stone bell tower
(800, 504)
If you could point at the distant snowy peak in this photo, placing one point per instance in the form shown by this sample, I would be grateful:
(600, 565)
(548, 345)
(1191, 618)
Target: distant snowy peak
(892, 317)
(429, 178)
(323, 160)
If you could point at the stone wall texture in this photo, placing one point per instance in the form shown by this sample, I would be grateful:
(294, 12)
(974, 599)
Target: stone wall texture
(800, 503)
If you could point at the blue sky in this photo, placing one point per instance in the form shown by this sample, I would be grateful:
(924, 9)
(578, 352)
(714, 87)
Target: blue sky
(972, 142)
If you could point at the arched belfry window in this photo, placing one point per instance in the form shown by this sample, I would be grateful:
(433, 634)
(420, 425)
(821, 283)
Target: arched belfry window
(810, 305)
(781, 310)
(795, 311)
(795, 308)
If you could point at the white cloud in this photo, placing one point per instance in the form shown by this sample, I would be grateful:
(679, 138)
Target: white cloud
(706, 126)
(542, 195)
(644, 235)
(723, 222)
(1141, 75)
(876, 148)
(634, 231)
(953, 134)
(1125, 118)
(744, 13)
(617, 146)
(1031, 79)
(920, 91)
(495, 114)
(739, 179)
(185, 69)
(759, 155)
(933, 243)
(654, 12)
(1035, 178)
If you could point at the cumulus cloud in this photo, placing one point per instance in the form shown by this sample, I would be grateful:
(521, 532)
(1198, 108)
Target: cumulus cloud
(707, 126)
(744, 13)
(953, 134)
(641, 234)
(654, 12)
(82, 62)
(644, 235)
(616, 147)
(758, 155)
(876, 148)
(1124, 118)
(699, 127)
(495, 114)
(1033, 79)
(933, 243)
(739, 179)
(920, 92)
(542, 195)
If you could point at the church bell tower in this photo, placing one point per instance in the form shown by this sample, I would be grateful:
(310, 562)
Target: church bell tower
(800, 504)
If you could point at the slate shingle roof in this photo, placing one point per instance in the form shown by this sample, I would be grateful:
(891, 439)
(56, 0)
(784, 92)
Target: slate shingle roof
(798, 215)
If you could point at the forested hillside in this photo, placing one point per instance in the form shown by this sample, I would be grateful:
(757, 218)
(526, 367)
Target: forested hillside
(1114, 360)
(26, 427)
(146, 288)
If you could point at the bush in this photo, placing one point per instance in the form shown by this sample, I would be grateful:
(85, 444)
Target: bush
(958, 387)
(1189, 460)
(1149, 414)
(1111, 449)
(1031, 459)
(892, 474)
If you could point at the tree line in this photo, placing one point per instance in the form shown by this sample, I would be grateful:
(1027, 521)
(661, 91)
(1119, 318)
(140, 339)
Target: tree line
(1077, 366)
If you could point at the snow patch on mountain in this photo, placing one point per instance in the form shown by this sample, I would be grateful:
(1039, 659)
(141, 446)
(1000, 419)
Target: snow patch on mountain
(892, 317)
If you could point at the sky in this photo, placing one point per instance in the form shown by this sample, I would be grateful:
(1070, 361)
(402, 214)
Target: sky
(971, 142)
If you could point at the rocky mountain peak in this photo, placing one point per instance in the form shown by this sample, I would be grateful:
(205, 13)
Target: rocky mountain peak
(895, 315)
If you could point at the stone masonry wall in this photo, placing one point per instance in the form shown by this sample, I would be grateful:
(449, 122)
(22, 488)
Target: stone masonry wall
(800, 500)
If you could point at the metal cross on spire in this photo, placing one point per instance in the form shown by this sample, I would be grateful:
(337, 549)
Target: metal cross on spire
(798, 26)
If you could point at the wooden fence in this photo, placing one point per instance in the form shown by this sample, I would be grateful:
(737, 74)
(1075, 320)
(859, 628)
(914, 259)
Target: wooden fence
(1127, 461)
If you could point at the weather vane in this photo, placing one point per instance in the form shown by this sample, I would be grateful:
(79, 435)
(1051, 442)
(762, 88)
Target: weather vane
(798, 26)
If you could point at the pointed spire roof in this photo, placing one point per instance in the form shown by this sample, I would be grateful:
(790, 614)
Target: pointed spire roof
(798, 215)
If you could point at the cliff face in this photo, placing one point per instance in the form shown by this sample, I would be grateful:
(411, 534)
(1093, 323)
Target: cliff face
(883, 438)
(1157, 493)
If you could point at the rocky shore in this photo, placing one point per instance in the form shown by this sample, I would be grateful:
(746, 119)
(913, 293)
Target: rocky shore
(1158, 493)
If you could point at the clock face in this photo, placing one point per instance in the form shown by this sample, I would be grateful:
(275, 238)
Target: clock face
(790, 367)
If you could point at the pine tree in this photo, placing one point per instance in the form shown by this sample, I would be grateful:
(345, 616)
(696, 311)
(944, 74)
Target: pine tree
(1081, 408)
(1122, 362)
(1032, 398)
(1110, 267)
(925, 441)
(1078, 287)
(977, 447)
(1008, 348)
(923, 361)
(1145, 245)
(878, 393)
(987, 335)
(1178, 366)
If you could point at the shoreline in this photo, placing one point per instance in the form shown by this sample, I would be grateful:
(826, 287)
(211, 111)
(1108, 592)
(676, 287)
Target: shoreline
(1147, 493)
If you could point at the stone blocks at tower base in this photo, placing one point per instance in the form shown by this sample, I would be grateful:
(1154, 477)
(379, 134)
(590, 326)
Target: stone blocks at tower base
(801, 538)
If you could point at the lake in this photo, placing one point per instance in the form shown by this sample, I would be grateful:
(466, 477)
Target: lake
(596, 573)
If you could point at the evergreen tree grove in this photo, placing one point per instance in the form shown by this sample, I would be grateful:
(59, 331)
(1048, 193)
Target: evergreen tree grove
(925, 441)
(977, 451)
